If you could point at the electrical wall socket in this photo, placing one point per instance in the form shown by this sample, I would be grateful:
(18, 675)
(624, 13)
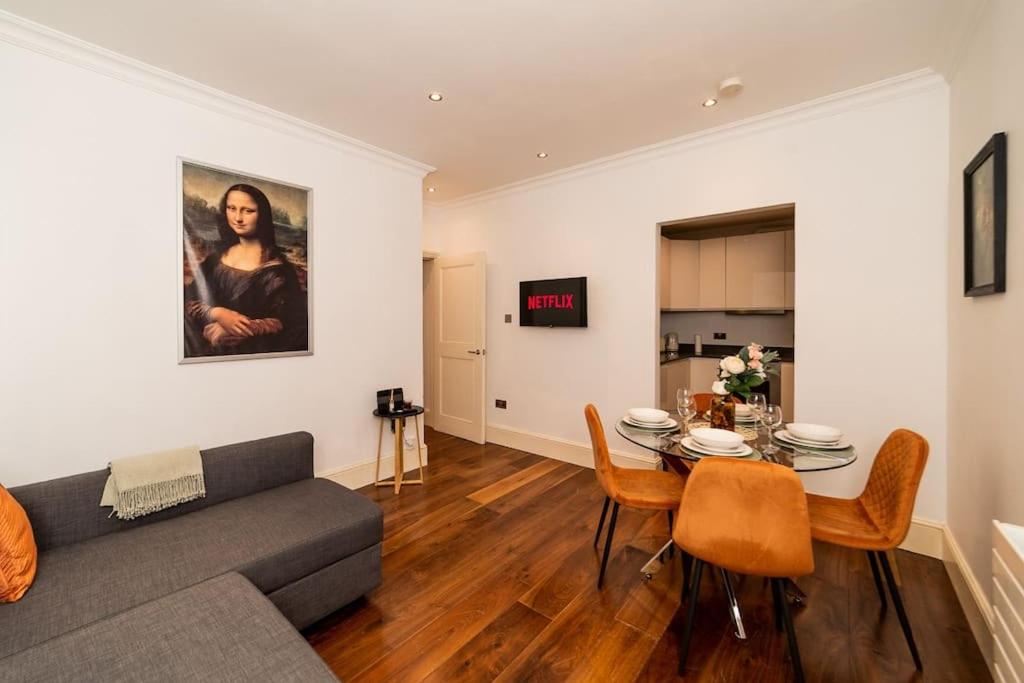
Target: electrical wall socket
(500, 403)
(508, 317)
(719, 335)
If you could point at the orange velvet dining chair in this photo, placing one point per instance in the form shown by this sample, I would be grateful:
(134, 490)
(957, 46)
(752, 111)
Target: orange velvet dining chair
(635, 488)
(878, 519)
(702, 402)
(750, 518)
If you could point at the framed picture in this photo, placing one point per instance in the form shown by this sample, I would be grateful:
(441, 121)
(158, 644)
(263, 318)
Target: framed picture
(244, 265)
(985, 220)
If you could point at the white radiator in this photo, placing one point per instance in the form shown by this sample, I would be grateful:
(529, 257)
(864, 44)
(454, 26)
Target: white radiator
(1008, 602)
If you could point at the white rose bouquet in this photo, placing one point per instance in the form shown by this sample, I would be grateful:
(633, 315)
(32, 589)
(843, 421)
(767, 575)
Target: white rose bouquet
(739, 374)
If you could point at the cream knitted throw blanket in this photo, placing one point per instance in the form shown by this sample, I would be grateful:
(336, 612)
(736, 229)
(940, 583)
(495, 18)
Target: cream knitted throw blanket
(143, 484)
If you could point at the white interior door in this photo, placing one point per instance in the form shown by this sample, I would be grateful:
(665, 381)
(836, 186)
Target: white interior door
(461, 285)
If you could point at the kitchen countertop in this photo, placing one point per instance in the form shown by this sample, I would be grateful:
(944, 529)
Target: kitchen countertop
(717, 351)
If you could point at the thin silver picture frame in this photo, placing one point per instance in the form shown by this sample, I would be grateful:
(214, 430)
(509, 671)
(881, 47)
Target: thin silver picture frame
(180, 162)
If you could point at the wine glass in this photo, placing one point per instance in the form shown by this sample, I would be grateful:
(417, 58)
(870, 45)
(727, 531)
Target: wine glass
(771, 416)
(757, 403)
(686, 407)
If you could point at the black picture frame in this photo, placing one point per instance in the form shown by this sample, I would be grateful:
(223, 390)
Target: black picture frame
(985, 220)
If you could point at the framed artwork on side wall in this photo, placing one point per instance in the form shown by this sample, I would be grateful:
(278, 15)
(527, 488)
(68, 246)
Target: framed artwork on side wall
(244, 265)
(985, 220)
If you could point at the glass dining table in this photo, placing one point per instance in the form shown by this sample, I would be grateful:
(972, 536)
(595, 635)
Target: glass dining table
(681, 460)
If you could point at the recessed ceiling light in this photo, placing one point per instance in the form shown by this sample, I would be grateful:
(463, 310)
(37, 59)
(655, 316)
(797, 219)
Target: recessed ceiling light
(542, 155)
(435, 96)
(709, 102)
(431, 189)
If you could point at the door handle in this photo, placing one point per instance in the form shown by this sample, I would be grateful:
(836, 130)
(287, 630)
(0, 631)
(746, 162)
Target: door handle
(475, 352)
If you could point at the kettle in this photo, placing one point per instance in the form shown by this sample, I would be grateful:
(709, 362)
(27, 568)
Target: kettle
(672, 342)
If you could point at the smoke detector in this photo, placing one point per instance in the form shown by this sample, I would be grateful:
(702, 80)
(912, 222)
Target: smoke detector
(730, 86)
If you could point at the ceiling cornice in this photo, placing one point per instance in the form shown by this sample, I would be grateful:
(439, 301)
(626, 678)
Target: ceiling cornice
(27, 34)
(862, 96)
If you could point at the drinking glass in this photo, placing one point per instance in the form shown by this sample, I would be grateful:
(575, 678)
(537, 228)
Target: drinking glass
(686, 407)
(757, 403)
(771, 416)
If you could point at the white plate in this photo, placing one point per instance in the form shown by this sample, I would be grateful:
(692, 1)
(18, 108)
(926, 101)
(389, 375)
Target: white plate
(739, 420)
(785, 437)
(810, 444)
(691, 444)
(648, 415)
(669, 423)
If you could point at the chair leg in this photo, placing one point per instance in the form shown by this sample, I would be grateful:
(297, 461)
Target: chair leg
(691, 615)
(600, 525)
(777, 598)
(894, 591)
(878, 578)
(687, 561)
(787, 620)
(608, 544)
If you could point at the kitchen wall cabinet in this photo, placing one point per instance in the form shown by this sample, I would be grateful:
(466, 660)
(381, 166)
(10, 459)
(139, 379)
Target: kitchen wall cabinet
(755, 271)
(684, 264)
(711, 267)
(786, 400)
(674, 375)
(790, 269)
(664, 272)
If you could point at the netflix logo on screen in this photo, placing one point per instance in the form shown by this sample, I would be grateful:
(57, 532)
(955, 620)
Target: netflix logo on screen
(553, 303)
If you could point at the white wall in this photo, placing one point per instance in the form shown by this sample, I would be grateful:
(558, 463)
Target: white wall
(868, 175)
(89, 354)
(986, 465)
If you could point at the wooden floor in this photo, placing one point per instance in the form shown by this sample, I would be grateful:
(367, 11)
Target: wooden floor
(490, 573)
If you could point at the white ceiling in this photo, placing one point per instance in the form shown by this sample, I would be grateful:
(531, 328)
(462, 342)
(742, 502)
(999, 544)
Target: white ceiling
(578, 79)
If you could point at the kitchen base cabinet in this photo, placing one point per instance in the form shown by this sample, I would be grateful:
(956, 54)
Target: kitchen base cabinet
(786, 380)
(674, 375)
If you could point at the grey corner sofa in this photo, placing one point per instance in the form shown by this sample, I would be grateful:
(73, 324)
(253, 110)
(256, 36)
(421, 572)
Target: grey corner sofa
(213, 589)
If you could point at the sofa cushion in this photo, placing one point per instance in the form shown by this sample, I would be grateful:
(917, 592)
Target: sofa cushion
(223, 629)
(272, 538)
(18, 556)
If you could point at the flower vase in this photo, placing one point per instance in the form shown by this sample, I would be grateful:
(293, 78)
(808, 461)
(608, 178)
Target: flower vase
(723, 412)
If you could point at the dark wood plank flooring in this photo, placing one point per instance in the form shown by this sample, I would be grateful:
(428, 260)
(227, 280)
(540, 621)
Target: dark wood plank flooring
(489, 574)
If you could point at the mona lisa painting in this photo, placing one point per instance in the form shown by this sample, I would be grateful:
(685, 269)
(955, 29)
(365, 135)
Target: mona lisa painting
(985, 220)
(244, 266)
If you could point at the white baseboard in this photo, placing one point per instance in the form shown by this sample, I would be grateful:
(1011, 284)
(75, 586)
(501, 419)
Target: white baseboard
(562, 449)
(976, 607)
(925, 538)
(361, 473)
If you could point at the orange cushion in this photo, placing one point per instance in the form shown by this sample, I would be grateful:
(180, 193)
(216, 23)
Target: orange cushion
(17, 549)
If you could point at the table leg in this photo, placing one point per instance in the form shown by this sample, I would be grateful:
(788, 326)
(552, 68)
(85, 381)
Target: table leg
(419, 446)
(399, 448)
(654, 564)
(380, 441)
(734, 608)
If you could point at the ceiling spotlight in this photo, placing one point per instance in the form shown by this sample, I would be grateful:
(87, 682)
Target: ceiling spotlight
(542, 155)
(709, 102)
(431, 189)
(435, 96)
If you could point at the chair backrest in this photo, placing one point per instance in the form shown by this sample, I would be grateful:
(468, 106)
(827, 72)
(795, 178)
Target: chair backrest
(745, 516)
(892, 485)
(602, 461)
(703, 403)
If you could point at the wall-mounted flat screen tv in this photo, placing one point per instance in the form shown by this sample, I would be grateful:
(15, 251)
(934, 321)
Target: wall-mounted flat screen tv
(553, 303)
